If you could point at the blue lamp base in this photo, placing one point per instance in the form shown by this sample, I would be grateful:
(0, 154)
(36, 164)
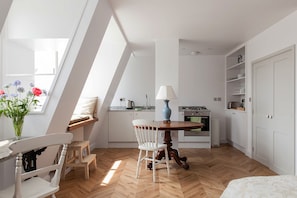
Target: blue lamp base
(166, 111)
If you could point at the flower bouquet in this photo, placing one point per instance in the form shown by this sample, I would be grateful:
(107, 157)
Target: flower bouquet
(17, 104)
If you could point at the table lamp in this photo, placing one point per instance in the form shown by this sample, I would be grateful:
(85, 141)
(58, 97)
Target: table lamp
(166, 93)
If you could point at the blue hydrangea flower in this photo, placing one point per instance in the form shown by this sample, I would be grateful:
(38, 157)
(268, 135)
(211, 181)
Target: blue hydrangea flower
(17, 83)
(14, 95)
(21, 89)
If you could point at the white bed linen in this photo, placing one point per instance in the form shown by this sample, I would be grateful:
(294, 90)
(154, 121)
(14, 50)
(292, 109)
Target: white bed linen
(280, 186)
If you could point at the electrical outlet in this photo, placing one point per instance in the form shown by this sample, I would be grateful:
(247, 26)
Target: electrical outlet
(122, 99)
(217, 99)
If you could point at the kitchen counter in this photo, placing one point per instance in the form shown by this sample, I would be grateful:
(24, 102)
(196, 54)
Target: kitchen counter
(137, 108)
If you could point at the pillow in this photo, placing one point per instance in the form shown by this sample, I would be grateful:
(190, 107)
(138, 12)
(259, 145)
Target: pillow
(78, 118)
(86, 106)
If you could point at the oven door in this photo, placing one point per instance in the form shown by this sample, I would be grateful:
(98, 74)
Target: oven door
(204, 131)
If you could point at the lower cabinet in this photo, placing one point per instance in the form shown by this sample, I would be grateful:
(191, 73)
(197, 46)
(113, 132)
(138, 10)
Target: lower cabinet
(120, 125)
(237, 128)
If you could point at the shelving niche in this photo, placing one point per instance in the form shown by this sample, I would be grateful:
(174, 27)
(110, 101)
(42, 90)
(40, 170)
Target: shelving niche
(235, 77)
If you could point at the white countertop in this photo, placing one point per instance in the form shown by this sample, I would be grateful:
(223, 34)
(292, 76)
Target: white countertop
(143, 109)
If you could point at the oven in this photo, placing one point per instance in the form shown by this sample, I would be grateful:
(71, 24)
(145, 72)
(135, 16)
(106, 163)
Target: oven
(201, 117)
(198, 114)
(195, 138)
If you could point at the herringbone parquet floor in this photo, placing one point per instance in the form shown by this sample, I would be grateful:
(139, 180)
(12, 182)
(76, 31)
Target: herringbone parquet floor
(209, 173)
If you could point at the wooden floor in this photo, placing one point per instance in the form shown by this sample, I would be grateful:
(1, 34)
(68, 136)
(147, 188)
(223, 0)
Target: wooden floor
(209, 173)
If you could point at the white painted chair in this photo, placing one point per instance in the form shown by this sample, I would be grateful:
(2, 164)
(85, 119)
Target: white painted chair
(147, 137)
(33, 184)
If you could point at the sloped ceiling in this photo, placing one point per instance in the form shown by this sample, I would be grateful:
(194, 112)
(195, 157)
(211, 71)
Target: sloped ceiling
(207, 26)
(4, 8)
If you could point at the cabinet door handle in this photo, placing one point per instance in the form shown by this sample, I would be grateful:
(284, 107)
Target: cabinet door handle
(268, 116)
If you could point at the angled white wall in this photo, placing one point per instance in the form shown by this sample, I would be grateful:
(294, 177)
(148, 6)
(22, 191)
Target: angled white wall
(4, 8)
(104, 77)
(77, 65)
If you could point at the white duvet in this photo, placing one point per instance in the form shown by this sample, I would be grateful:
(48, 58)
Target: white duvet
(279, 186)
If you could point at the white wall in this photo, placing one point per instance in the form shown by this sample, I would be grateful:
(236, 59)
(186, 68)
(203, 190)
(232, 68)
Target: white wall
(279, 36)
(201, 78)
(137, 80)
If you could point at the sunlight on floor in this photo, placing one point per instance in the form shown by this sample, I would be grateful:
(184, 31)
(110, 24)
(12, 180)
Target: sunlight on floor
(111, 172)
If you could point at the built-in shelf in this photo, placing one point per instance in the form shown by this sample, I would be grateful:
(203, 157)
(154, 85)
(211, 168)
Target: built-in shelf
(238, 94)
(235, 76)
(236, 79)
(241, 64)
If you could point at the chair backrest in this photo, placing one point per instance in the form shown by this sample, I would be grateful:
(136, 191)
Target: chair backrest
(146, 132)
(27, 144)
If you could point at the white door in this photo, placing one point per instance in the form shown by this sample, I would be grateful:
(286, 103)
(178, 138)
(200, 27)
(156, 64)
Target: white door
(273, 111)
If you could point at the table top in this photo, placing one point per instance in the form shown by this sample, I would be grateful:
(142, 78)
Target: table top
(179, 125)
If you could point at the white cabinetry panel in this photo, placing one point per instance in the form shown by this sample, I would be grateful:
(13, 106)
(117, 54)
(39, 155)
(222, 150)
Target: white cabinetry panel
(120, 125)
(237, 128)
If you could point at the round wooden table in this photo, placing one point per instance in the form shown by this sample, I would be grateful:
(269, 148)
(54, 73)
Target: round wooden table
(168, 127)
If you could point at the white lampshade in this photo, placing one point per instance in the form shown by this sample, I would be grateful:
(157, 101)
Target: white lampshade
(166, 93)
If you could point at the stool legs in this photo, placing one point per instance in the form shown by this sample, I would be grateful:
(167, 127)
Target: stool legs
(79, 156)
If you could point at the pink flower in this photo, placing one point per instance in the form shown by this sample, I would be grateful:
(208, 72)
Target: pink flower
(2, 92)
(36, 91)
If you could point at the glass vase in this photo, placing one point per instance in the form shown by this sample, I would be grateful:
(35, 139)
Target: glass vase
(18, 126)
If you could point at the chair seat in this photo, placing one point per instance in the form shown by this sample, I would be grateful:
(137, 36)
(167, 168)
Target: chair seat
(34, 187)
(150, 147)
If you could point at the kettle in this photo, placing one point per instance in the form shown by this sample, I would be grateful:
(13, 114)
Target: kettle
(130, 104)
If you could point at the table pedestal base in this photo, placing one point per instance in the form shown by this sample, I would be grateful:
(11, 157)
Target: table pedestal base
(172, 153)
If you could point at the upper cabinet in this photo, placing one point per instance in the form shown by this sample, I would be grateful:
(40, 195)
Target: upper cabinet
(235, 79)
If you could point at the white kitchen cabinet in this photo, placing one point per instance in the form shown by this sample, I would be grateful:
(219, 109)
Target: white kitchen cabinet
(235, 78)
(273, 111)
(237, 128)
(120, 124)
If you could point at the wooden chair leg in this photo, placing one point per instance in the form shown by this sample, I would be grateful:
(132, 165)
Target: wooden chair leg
(154, 167)
(95, 163)
(87, 174)
(138, 164)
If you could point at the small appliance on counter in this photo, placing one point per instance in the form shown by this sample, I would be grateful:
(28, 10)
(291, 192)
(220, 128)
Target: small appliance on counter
(130, 104)
(233, 105)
